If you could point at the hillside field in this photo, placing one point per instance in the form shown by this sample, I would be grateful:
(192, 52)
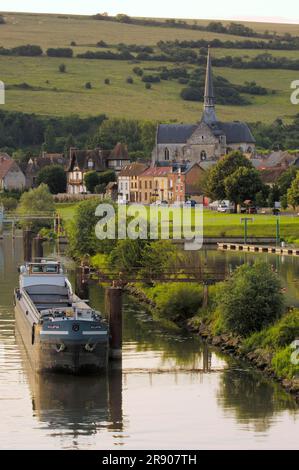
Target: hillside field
(57, 93)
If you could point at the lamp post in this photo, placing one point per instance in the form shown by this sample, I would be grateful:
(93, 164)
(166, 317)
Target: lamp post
(277, 232)
(246, 220)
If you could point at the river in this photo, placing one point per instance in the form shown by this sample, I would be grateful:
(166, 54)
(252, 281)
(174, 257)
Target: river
(170, 391)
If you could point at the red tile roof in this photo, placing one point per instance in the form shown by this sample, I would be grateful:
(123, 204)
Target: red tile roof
(5, 166)
(134, 169)
(157, 171)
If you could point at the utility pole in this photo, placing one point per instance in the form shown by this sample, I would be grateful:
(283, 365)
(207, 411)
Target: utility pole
(277, 232)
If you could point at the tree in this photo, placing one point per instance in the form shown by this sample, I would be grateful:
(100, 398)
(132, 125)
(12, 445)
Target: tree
(215, 186)
(251, 299)
(91, 180)
(54, 177)
(107, 81)
(243, 184)
(293, 192)
(81, 231)
(2, 20)
(148, 86)
(50, 139)
(285, 180)
(62, 68)
(37, 201)
(130, 80)
(88, 86)
(106, 177)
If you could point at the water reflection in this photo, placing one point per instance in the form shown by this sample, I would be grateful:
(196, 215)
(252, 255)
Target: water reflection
(170, 391)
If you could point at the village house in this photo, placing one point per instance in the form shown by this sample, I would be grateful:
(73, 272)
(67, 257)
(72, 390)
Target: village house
(83, 161)
(11, 176)
(118, 158)
(128, 182)
(154, 184)
(184, 183)
(36, 164)
(207, 140)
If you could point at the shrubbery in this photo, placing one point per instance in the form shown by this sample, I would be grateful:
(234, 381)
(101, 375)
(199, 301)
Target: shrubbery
(251, 299)
(60, 52)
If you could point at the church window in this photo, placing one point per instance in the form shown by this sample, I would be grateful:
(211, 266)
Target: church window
(203, 155)
(166, 153)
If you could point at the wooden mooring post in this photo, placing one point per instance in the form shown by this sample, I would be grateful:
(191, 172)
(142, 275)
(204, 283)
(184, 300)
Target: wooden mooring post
(81, 281)
(27, 244)
(38, 248)
(113, 307)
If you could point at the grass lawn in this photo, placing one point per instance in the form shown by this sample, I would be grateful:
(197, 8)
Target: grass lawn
(225, 225)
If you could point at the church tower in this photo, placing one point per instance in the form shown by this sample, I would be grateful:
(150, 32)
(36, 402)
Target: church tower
(209, 113)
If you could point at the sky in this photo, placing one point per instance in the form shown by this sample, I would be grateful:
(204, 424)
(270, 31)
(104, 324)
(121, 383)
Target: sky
(257, 10)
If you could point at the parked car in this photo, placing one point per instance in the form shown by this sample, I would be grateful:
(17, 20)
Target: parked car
(191, 203)
(223, 208)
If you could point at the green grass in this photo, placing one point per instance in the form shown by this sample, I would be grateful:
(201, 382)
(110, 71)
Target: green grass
(120, 99)
(217, 224)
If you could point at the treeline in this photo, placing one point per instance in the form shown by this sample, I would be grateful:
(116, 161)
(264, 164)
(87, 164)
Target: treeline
(29, 132)
(22, 134)
(275, 44)
(29, 50)
(234, 29)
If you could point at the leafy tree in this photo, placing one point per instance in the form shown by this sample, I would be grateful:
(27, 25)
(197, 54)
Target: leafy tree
(251, 299)
(106, 177)
(285, 180)
(91, 180)
(130, 80)
(2, 20)
(215, 186)
(81, 231)
(157, 257)
(54, 177)
(107, 81)
(148, 86)
(293, 192)
(274, 195)
(50, 139)
(38, 201)
(88, 86)
(243, 184)
(127, 255)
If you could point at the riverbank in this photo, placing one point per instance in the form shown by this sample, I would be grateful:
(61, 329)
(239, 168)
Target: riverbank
(272, 361)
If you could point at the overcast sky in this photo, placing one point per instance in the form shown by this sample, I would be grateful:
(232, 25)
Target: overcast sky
(268, 10)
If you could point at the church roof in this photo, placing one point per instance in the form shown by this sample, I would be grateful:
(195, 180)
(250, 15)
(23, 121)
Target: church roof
(174, 133)
(236, 132)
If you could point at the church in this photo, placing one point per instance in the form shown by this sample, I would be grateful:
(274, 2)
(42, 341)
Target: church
(206, 141)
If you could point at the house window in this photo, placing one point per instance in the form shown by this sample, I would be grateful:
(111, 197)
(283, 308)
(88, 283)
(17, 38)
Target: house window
(145, 196)
(249, 150)
(203, 155)
(145, 184)
(166, 154)
(90, 163)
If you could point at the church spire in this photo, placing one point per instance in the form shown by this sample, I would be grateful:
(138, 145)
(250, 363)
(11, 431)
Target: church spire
(209, 114)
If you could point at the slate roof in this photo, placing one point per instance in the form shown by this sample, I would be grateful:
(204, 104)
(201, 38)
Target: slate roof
(120, 152)
(236, 132)
(81, 157)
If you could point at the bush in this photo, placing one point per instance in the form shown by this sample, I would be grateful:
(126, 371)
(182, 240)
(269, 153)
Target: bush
(138, 71)
(2, 20)
(251, 299)
(191, 94)
(177, 302)
(9, 203)
(130, 80)
(102, 44)
(73, 44)
(151, 78)
(54, 177)
(62, 68)
(88, 86)
(148, 86)
(282, 365)
(107, 81)
(60, 52)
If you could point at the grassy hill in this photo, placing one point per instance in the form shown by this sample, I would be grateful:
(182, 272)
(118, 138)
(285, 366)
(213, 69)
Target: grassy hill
(54, 93)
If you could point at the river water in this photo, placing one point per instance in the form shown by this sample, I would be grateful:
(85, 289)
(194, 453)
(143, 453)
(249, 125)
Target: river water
(171, 391)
